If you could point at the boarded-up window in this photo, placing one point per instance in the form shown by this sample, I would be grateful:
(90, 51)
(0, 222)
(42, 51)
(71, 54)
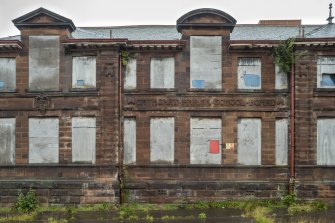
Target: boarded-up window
(326, 72)
(281, 141)
(43, 140)
(7, 141)
(44, 62)
(206, 134)
(326, 141)
(162, 140)
(281, 78)
(130, 74)
(83, 72)
(249, 141)
(206, 62)
(83, 139)
(129, 140)
(7, 74)
(162, 72)
(249, 73)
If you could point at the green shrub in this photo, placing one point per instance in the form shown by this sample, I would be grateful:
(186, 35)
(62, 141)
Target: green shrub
(26, 203)
(289, 199)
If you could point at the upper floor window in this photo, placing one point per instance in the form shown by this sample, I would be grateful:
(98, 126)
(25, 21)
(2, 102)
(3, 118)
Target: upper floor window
(84, 72)
(162, 72)
(130, 74)
(44, 62)
(249, 73)
(281, 79)
(326, 72)
(7, 74)
(206, 62)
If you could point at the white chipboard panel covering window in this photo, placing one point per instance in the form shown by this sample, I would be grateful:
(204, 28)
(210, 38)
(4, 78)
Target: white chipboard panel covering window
(281, 79)
(203, 130)
(84, 72)
(44, 57)
(249, 73)
(129, 140)
(206, 62)
(43, 140)
(162, 72)
(326, 141)
(162, 140)
(249, 141)
(7, 141)
(130, 74)
(281, 141)
(326, 72)
(83, 139)
(7, 74)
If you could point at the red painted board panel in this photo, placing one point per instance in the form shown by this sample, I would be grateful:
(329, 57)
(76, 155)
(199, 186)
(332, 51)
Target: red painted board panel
(214, 146)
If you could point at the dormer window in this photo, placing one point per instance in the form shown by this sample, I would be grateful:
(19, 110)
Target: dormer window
(44, 59)
(206, 62)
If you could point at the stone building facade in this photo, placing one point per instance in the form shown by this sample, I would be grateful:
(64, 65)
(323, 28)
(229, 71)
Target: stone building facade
(165, 113)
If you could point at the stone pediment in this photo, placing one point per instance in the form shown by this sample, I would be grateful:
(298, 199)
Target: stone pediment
(206, 18)
(43, 17)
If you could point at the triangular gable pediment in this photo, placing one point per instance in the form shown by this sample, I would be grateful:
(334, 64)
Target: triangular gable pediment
(43, 17)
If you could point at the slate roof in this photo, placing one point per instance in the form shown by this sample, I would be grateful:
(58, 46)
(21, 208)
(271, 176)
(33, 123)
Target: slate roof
(169, 32)
(146, 32)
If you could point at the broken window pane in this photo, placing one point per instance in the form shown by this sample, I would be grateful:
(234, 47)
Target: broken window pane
(129, 140)
(83, 139)
(162, 140)
(206, 134)
(326, 141)
(162, 72)
(249, 141)
(43, 140)
(7, 141)
(326, 72)
(7, 74)
(84, 72)
(44, 62)
(206, 62)
(130, 74)
(249, 73)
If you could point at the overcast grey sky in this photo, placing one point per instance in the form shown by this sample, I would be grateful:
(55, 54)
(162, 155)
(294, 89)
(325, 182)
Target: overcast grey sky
(148, 12)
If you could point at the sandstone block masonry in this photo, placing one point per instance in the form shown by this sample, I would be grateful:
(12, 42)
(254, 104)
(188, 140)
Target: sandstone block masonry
(198, 112)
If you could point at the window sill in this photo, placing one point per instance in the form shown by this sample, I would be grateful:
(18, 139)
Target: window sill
(250, 91)
(8, 91)
(84, 89)
(204, 90)
(42, 91)
(326, 92)
(162, 90)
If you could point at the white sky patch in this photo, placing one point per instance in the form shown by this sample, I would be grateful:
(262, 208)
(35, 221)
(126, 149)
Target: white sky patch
(148, 12)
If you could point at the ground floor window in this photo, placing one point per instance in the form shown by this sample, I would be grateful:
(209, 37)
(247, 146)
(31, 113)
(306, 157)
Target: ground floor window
(206, 141)
(326, 141)
(7, 141)
(249, 141)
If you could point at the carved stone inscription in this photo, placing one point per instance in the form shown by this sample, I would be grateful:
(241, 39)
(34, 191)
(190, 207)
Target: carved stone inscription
(166, 103)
